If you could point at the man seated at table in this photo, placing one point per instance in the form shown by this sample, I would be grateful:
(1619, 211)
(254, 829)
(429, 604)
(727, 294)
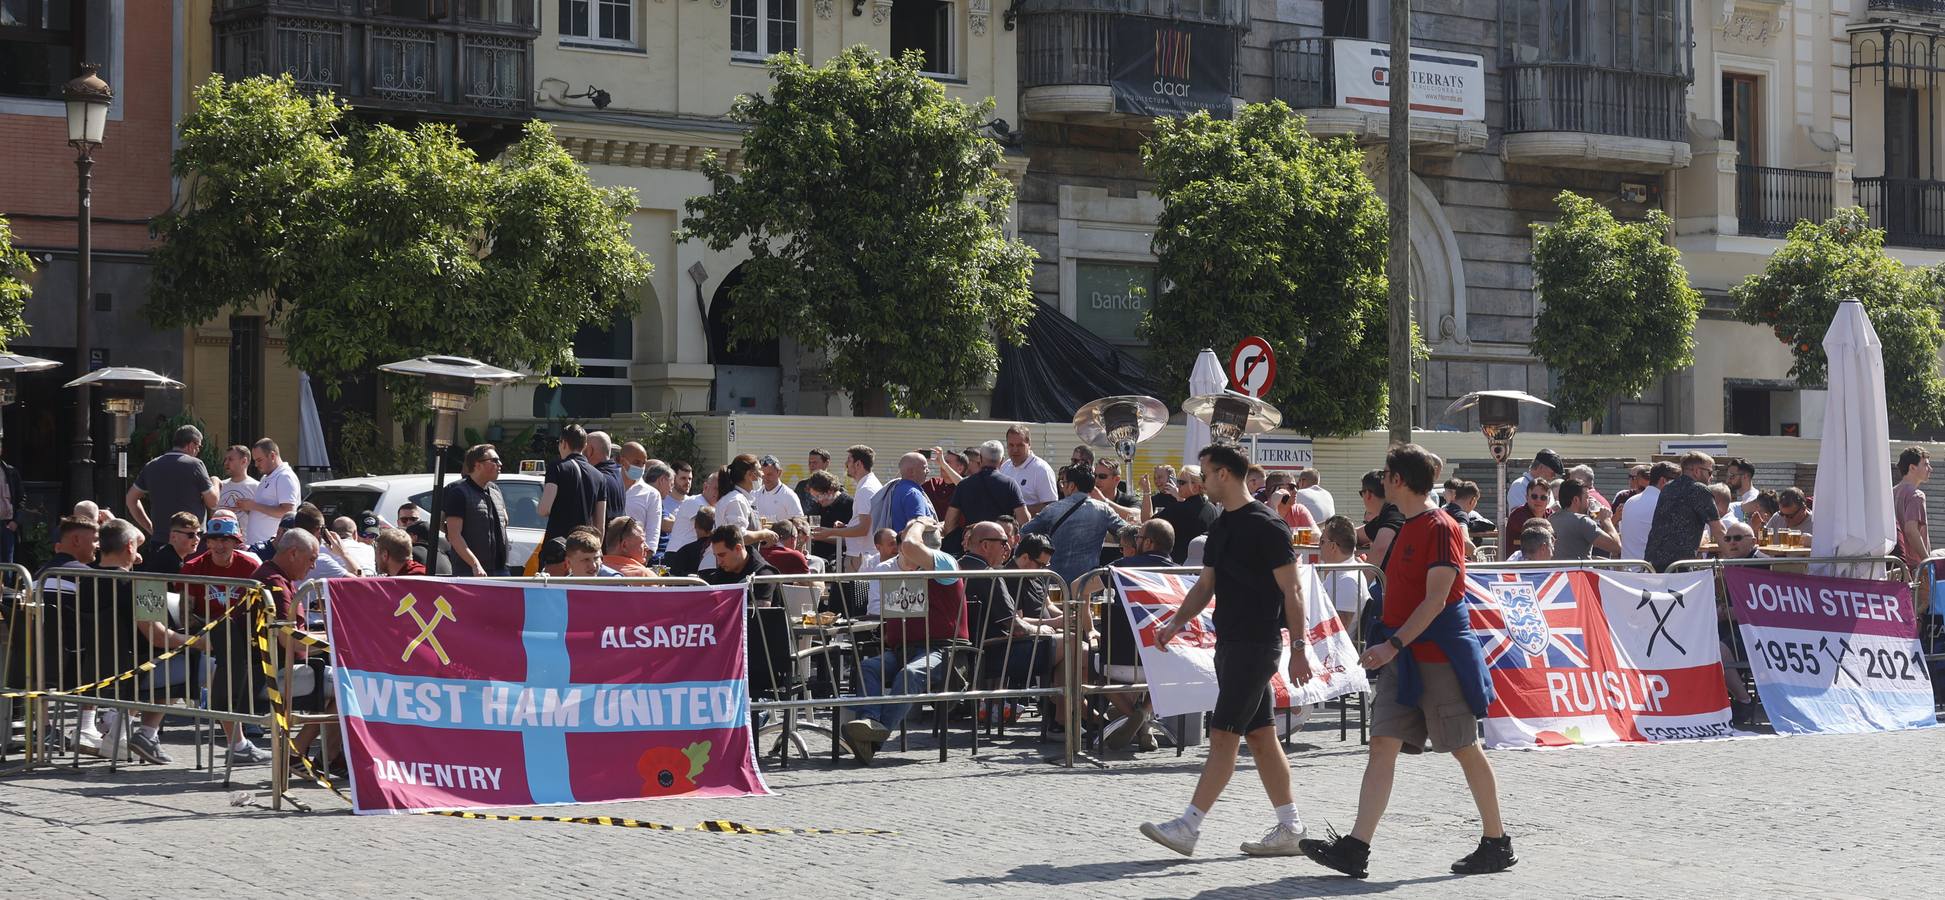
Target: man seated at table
(687, 559)
(625, 548)
(782, 554)
(584, 555)
(392, 554)
(737, 562)
(1536, 543)
(1015, 648)
(1792, 513)
(1149, 547)
(1739, 542)
(914, 657)
(1462, 504)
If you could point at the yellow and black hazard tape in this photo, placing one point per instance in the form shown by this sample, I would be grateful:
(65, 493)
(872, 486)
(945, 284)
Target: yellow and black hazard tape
(249, 599)
(321, 779)
(304, 637)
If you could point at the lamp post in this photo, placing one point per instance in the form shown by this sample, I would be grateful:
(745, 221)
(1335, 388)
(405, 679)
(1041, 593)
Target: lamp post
(122, 391)
(451, 382)
(88, 98)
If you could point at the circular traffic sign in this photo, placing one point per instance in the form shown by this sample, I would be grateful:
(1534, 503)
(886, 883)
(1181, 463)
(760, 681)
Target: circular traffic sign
(1252, 366)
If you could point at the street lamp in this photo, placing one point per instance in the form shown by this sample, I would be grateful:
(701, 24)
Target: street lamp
(122, 391)
(451, 382)
(88, 98)
(11, 366)
(1499, 418)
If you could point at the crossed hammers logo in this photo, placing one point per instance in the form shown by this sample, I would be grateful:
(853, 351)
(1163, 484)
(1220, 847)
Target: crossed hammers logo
(442, 612)
(1661, 618)
(1837, 659)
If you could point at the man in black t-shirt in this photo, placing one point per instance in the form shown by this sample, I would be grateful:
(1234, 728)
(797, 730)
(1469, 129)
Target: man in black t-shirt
(1250, 569)
(574, 494)
(1191, 514)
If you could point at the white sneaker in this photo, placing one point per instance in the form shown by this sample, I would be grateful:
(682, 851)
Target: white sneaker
(1279, 841)
(87, 742)
(1174, 834)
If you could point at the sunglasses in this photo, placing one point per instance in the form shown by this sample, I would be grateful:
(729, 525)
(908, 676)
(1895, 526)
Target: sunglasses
(1738, 537)
(184, 533)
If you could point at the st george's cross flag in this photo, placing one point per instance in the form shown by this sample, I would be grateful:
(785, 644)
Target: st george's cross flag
(1587, 656)
(1183, 679)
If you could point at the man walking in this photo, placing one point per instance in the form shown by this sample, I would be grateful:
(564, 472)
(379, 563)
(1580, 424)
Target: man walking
(574, 494)
(177, 481)
(1432, 681)
(476, 516)
(1251, 570)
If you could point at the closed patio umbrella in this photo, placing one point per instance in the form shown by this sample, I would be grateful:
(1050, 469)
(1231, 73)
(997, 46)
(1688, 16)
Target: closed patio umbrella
(1206, 378)
(1854, 515)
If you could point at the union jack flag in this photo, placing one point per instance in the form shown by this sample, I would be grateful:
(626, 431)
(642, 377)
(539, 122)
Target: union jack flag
(1153, 598)
(1528, 620)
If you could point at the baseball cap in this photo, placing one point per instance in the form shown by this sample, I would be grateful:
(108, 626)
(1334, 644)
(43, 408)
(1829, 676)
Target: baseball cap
(769, 460)
(368, 526)
(221, 528)
(1551, 460)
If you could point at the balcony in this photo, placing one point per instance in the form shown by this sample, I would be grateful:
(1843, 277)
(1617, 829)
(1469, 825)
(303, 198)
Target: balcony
(1109, 68)
(1770, 201)
(1304, 76)
(1595, 117)
(1934, 8)
(469, 61)
(1910, 210)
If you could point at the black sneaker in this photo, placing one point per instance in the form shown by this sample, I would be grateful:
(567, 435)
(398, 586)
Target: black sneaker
(1341, 853)
(1492, 855)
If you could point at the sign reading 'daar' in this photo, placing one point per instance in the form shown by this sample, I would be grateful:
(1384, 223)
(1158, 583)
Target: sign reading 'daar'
(1170, 68)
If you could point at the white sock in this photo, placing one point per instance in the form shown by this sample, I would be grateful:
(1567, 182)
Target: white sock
(1193, 817)
(241, 743)
(1286, 816)
(153, 734)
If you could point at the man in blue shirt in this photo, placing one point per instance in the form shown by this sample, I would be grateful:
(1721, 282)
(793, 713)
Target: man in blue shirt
(902, 500)
(1076, 522)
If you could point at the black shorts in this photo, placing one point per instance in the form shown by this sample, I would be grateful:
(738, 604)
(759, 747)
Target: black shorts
(1243, 673)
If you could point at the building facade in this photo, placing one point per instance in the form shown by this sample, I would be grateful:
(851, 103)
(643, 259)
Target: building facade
(42, 44)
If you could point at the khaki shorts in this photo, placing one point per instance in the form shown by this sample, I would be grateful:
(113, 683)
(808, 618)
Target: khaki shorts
(1441, 715)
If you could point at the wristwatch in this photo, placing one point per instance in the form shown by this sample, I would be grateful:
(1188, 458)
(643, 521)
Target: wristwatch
(1395, 643)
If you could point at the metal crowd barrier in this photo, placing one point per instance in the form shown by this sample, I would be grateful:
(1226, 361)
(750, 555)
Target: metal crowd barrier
(1100, 581)
(1548, 565)
(19, 658)
(129, 645)
(813, 650)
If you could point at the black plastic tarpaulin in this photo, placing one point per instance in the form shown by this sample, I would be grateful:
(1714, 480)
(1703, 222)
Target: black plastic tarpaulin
(1061, 367)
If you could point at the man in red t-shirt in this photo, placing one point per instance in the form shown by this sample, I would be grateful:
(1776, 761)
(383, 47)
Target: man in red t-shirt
(1424, 575)
(224, 559)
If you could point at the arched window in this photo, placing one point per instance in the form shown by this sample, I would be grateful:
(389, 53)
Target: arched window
(601, 389)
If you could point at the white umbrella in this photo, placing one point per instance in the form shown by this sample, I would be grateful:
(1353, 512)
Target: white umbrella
(1206, 378)
(1854, 516)
(311, 452)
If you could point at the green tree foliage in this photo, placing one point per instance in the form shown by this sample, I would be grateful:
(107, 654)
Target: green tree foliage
(14, 265)
(873, 211)
(1616, 309)
(1843, 258)
(368, 243)
(1266, 231)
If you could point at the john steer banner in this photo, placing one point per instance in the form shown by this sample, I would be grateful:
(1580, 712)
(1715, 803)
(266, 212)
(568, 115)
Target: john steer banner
(1832, 654)
(1590, 657)
(466, 694)
(1182, 679)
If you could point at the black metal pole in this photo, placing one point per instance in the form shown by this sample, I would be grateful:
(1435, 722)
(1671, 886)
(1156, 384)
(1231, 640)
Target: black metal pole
(81, 466)
(438, 522)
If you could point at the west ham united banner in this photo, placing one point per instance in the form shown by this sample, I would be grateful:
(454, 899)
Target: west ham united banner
(1164, 67)
(1832, 654)
(465, 694)
(1590, 657)
(1183, 678)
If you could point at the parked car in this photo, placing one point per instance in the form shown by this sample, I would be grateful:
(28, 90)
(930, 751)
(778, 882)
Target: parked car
(382, 494)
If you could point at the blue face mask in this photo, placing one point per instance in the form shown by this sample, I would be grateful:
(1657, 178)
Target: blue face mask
(635, 472)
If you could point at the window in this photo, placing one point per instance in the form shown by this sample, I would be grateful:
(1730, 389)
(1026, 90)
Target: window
(601, 389)
(1347, 18)
(610, 22)
(762, 28)
(924, 26)
(41, 43)
(1740, 116)
(1110, 299)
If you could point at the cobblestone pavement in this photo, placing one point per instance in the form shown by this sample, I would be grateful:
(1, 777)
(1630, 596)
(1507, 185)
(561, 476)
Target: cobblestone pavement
(1835, 816)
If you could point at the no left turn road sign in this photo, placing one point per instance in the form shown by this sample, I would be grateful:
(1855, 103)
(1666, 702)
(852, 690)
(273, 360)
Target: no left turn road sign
(1252, 366)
